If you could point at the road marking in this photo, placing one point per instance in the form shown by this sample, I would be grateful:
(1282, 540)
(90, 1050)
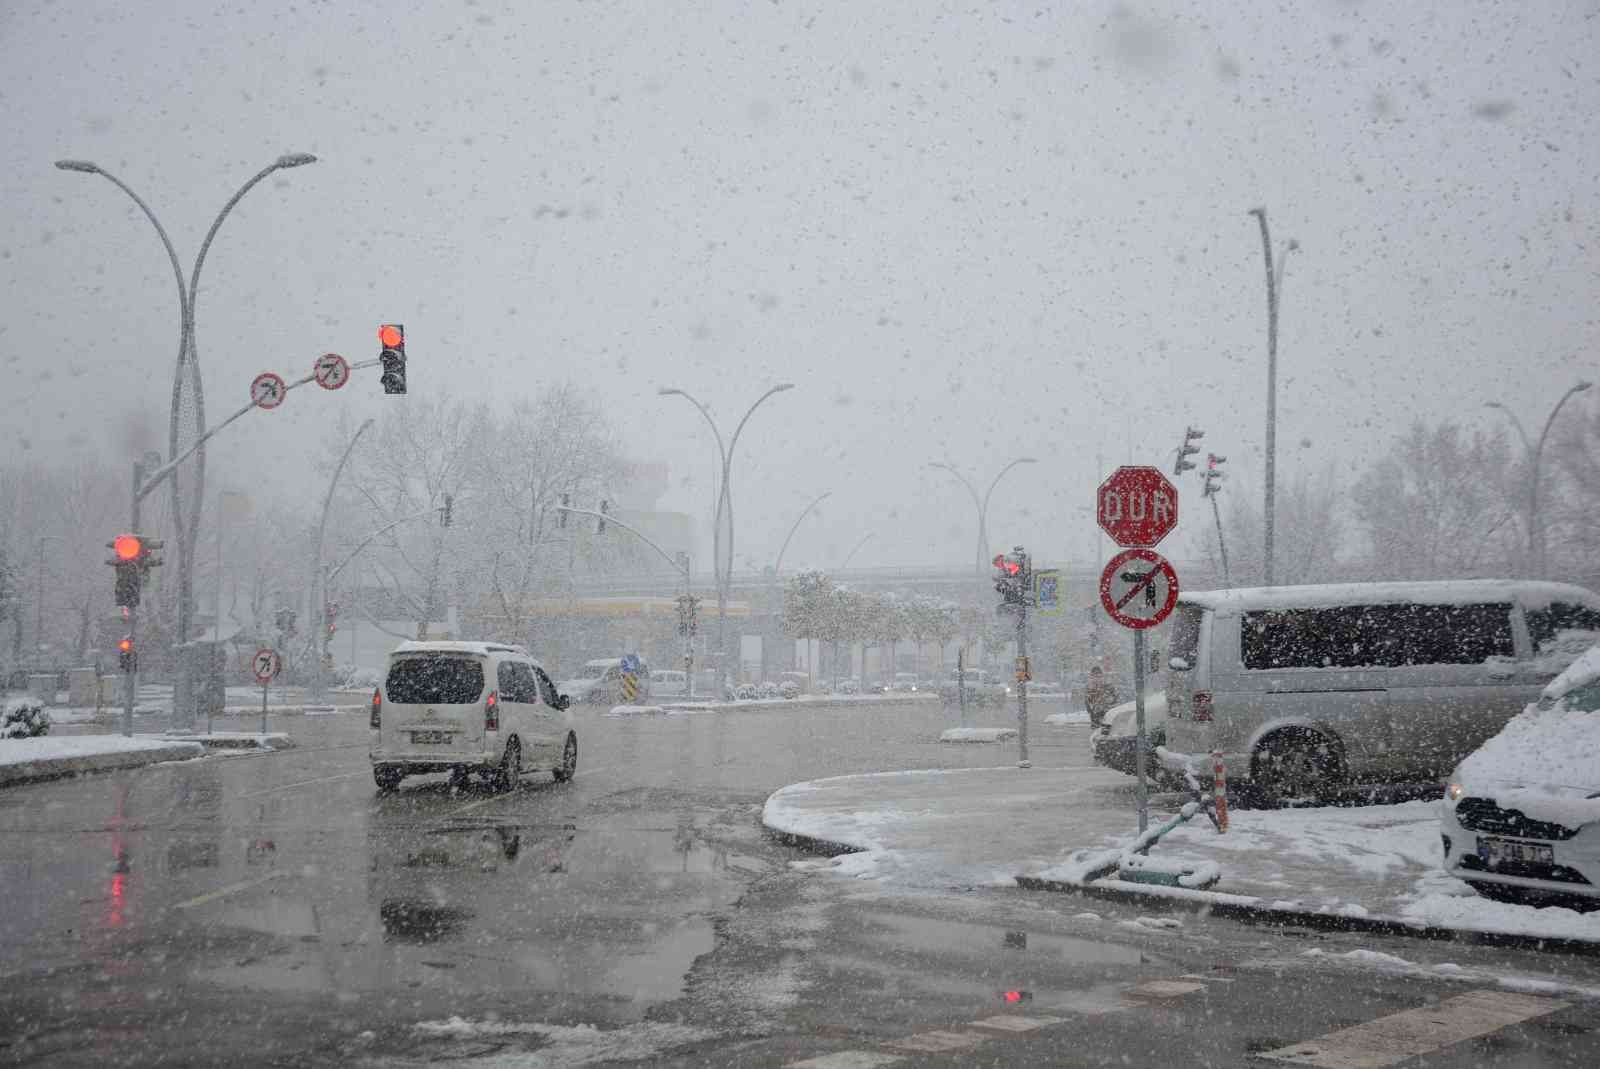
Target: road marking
(1166, 988)
(235, 888)
(303, 783)
(938, 1042)
(1393, 1039)
(848, 1059)
(1009, 1023)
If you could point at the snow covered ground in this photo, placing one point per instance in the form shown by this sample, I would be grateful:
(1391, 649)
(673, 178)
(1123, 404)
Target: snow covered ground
(977, 734)
(1076, 716)
(987, 826)
(22, 760)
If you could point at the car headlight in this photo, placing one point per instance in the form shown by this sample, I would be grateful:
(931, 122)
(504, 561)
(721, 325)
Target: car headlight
(1455, 791)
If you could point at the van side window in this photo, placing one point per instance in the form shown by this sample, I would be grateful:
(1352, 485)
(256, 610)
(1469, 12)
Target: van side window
(1458, 634)
(1546, 623)
(1185, 635)
(547, 689)
(1302, 638)
(516, 683)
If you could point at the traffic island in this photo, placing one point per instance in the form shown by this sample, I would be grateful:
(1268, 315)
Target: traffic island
(1374, 869)
(233, 740)
(977, 734)
(53, 756)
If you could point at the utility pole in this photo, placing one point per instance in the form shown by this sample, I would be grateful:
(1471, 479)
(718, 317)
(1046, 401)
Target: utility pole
(1274, 284)
(1213, 486)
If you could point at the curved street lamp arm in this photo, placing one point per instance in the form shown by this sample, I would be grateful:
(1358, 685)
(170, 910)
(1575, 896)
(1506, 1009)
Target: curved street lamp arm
(722, 483)
(333, 573)
(977, 502)
(1556, 411)
(1002, 475)
(777, 566)
(640, 535)
(205, 246)
(172, 254)
(851, 555)
(327, 500)
(1516, 425)
(727, 469)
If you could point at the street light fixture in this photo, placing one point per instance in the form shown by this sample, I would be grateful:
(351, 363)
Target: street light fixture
(982, 503)
(188, 532)
(723, 562)
(1535, 455)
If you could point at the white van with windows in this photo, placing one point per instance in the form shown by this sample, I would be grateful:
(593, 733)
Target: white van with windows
(465, 707)
(1303, 689)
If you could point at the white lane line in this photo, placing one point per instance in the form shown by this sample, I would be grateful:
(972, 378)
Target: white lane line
(938, 1042)
(470, 806)
(303, 783)
(1400, 1036)
(848, 1059)
(1006, 1022)
(231, 889)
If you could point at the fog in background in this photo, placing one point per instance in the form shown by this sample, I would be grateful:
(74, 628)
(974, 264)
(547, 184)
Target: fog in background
(966, 232)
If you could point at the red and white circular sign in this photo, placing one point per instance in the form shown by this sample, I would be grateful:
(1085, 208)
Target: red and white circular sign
(266, 664)
(1137, 506)
(1138, 588)
(331, 371)
(267, 390)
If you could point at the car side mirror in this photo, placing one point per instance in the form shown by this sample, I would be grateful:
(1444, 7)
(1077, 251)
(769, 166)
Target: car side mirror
(1178, 664)
(562, 701)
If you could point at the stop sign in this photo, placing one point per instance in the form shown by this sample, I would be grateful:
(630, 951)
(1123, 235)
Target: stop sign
(1137, 506)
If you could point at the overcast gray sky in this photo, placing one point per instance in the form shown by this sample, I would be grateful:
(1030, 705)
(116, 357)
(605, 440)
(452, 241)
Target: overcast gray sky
(966, 231)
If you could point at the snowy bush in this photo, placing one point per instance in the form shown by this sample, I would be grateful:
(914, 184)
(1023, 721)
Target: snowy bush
(25, 718)
(352, 678)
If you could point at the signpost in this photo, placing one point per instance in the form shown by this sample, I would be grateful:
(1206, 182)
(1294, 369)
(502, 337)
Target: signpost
(1047, 591)
(331, 371)
(266, 665)
(267, 390)
(1138, 507)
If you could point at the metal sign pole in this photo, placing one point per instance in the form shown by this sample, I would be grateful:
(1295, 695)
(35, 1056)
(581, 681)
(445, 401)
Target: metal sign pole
(1022, 687)
(130, 677)
(961, 684)
(1138, 713)
(268, 683)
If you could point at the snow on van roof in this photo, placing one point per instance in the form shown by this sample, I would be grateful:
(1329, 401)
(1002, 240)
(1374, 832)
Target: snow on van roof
(482, 649)
(1436, 592)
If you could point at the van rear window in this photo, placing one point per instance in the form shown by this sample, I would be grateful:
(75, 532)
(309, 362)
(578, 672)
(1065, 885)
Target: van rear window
(1376, 636)
(437, 679)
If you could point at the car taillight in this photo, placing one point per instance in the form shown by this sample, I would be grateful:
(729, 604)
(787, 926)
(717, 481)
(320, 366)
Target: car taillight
(1202, 707)
(491, 712)
(377, 706)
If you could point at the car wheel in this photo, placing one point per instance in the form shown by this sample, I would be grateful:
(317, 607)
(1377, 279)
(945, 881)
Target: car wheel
(569, 760)
(459, 778)
(509, 774)
(1296, 764)
(387, 777)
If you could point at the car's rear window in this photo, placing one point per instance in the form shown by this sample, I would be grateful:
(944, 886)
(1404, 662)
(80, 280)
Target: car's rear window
(435, 679)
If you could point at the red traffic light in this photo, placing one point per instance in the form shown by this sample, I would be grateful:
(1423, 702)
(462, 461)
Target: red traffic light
(1007, 565)
(127, 547)
(391, 336)
(125, 646)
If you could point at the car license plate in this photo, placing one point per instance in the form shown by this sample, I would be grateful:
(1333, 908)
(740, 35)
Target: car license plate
(1493, 851)
(434, 737)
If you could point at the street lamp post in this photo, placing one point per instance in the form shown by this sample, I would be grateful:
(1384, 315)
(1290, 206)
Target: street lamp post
(777, 569)
(187, 368)
(1274, 285)
(982, 503)
(723, 548)
(1535, 454)
(319, 675)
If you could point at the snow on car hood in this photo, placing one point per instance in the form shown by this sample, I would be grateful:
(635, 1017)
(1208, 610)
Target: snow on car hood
(1545, 763)
(1120, 718)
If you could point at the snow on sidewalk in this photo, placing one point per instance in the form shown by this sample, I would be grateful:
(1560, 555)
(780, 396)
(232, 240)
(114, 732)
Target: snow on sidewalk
(988, 826)
(977, 734)
(57, 755)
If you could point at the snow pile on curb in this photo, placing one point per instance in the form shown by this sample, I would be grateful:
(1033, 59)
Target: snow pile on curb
(1077, 716)
(977, 734)
(58, 755)
(569, 1045)
(636, 710)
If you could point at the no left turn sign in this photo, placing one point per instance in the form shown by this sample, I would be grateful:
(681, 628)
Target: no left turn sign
(331, 371)
(1138, 588)
(266, 664)
(267, 390)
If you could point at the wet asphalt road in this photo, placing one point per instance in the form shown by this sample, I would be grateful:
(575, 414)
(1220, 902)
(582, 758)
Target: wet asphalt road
(276, 909)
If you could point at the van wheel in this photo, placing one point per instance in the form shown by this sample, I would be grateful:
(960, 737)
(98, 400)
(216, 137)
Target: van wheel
(569, 760)
(387, 777)
(509, 774)
(1296, 764)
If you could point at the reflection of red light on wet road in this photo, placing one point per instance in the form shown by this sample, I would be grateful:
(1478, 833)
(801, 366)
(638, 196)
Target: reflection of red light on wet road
(114, 919)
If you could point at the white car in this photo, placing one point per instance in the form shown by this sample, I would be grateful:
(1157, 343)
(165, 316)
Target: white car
(1521, 815)
(465, 707)
(669, 683)
(600, 682)
(1116, 743)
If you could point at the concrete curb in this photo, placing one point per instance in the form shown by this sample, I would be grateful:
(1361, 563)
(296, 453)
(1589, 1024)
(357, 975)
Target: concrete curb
(765, 704)
(1240, 907)
(1254, 911)
(57, 767)
(237, 742)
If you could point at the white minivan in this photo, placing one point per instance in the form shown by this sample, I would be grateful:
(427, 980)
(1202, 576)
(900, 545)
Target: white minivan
(1303, 689)
(465, 707)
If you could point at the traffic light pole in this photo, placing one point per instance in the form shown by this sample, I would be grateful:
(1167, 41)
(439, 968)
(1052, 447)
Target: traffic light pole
(130, 676)
(1022, 684)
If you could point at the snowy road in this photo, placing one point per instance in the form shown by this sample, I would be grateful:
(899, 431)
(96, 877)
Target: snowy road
(250, 909)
